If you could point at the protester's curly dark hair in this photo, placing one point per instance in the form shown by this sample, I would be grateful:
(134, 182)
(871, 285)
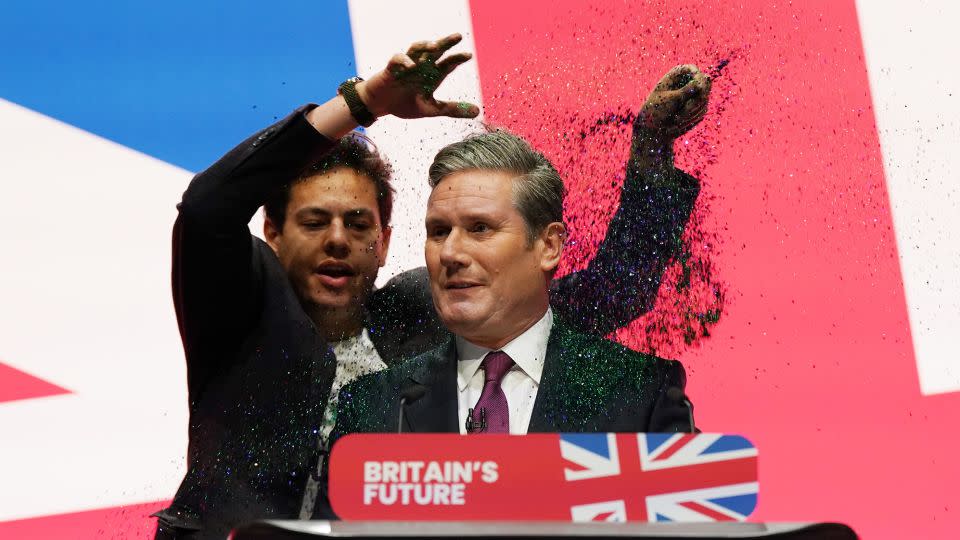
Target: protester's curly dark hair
(354, 151)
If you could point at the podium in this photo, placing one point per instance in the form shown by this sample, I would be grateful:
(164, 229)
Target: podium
(568, 485)
(305, 530)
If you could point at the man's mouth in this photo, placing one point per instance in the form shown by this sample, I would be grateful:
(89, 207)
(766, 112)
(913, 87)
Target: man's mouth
(460, 285)
(335, 274)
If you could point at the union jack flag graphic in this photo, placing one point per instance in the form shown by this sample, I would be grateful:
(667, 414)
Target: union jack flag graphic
(660, 476)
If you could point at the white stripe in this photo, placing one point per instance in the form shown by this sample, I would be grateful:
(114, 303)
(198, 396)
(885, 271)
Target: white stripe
(380, 30)
(689, 454)
(668, 503)
(911, 59)
(597, 466)
(645, 450)
(86, 305)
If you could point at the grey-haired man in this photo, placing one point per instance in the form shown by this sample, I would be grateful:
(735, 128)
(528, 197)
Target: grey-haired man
(495, 235)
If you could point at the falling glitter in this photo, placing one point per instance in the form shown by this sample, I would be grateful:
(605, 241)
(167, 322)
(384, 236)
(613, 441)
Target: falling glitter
(691, 298)
(570, 114)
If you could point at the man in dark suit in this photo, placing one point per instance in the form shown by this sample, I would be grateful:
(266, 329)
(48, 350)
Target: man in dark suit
(495, 236)
(272, 330)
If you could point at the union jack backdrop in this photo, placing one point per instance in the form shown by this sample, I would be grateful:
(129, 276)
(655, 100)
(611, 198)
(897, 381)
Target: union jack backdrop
(828, 224)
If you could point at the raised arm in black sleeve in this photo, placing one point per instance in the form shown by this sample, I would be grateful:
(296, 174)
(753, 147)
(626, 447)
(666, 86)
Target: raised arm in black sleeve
(216, 275)
(621, 282)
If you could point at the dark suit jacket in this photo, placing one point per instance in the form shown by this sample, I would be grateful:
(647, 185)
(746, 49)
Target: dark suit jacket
(588, 384)
(258, 372)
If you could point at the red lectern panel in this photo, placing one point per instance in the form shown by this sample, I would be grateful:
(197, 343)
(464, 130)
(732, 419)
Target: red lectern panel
(557, 477)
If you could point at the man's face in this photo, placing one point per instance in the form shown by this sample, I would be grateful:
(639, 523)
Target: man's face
(332, 243)
(488, 283)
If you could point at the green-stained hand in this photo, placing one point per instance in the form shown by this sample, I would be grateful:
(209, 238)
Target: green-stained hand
(676, 104)
(405, 87)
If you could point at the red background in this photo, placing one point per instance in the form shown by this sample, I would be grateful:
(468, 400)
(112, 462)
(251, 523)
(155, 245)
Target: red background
(812, 357)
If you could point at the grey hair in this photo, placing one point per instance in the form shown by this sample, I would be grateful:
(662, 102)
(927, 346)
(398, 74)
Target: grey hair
(538, 190)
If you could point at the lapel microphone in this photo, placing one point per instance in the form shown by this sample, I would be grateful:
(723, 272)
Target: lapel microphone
(409, 394)
(476, 426)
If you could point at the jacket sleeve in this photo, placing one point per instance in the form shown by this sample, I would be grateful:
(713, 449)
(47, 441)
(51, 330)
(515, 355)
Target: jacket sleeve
(621, 282)
(216, 270)
(670, 415)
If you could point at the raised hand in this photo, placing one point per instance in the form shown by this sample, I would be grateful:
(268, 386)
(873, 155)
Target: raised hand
(405, 87)
(676, 104)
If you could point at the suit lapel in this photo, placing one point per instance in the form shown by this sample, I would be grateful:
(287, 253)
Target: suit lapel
(573, 396)
(437, 411)
(549, 394)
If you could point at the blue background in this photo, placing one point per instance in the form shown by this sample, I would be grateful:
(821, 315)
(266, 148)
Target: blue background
(181, 81)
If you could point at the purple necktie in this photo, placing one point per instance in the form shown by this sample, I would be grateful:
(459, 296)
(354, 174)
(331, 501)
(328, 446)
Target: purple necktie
(492, 400)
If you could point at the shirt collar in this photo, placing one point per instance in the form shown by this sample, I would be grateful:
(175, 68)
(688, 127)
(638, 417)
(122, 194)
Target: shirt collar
(528, 351)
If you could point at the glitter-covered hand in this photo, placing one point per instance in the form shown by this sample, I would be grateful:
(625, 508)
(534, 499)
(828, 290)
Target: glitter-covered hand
(405, 87)
(676, 104)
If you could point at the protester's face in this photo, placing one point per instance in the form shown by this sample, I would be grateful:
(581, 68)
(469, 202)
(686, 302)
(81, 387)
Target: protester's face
(488, 283)
(332, 243)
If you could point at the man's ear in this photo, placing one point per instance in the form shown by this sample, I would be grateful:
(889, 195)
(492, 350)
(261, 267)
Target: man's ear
(384, 245)
(551, 245)
(272, 234)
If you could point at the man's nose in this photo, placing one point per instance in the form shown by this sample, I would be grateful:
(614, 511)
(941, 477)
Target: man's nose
(336, 243)
(452, 253)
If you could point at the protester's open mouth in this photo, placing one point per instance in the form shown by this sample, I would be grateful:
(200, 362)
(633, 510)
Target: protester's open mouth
(460, 285)
(335, 274)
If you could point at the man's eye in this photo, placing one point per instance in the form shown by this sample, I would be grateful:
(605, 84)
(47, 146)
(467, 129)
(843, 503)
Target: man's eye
(480, 228)
(439, 232)
(359, 225)
(313, 224)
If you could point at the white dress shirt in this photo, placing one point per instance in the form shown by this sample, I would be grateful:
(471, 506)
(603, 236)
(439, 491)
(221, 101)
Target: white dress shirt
(520, 384)
(356, 356)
